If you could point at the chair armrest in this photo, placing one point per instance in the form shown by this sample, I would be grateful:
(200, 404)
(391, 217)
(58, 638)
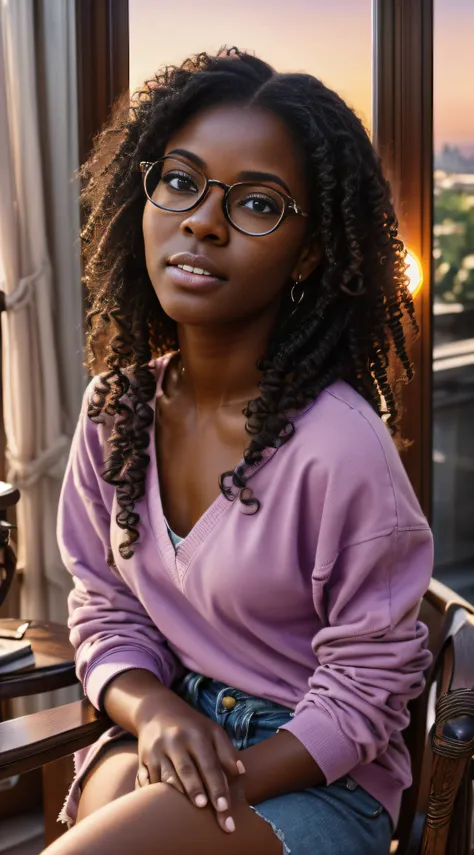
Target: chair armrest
(452, 743)
(9, 495)
(442, 597)
(31, 741)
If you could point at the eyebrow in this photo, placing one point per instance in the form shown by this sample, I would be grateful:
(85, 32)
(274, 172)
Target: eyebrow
(247, 175)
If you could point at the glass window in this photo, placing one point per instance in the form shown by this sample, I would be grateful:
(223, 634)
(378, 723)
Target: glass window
(332, 40)
(453, 307)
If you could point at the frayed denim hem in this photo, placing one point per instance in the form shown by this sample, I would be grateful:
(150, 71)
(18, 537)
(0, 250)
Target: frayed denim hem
(279, 833)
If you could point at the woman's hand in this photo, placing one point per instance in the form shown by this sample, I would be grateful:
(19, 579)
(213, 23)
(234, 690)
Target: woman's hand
(179, 746)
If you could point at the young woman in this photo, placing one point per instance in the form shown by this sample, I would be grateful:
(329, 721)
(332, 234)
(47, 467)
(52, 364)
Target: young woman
(248, 554)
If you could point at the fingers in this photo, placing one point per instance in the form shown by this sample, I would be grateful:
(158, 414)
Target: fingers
(169, 776)
(187, 777)
(215, 781)
(166, 775)
(142, 778)
(198, 770)
(201, 768)
(189, 771)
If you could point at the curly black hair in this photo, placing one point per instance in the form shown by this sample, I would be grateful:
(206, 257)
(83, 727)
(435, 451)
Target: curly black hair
(350, 325)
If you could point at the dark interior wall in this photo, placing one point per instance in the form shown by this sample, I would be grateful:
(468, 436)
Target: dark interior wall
(102, 63)
(403, 133)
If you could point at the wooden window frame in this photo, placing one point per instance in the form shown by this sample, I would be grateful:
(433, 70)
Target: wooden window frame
(403, 135)
(102, 38)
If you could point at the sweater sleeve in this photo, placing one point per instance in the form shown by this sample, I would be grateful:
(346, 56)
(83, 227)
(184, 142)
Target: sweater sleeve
(371, 653)
(109, 628)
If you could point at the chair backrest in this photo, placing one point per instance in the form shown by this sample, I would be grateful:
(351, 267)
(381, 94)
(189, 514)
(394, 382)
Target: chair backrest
(443, 611)
(9, 496)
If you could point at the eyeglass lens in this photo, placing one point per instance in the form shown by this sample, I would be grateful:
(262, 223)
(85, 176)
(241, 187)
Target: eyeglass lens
(175, 186)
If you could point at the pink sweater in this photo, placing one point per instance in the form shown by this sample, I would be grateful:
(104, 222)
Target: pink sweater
(312, 602)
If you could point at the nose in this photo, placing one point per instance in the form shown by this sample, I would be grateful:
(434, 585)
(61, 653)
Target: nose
(208, 220)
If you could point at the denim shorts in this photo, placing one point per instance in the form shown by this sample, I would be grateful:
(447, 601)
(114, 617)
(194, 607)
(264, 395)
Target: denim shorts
(339, 819)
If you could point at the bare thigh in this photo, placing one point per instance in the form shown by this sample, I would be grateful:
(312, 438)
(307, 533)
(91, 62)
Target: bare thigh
(114, 818)
(112, 776)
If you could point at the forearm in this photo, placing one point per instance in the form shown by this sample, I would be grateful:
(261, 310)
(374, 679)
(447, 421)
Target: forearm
(132, 698)
(280, 764)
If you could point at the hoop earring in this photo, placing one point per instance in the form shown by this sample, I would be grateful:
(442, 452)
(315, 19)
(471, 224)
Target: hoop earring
(293, 291)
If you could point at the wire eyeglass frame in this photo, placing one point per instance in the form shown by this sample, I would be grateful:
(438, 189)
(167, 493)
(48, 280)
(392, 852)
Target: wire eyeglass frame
(290, 206)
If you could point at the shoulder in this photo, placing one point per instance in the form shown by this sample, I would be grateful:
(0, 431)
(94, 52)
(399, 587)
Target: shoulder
(356, 455)
(343, 423)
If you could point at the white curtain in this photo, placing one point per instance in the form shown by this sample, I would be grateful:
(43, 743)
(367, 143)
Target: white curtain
(42, 329)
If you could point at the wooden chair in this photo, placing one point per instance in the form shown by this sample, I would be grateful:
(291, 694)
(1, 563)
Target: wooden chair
(9, 497)
(54, 669)
(436, 811)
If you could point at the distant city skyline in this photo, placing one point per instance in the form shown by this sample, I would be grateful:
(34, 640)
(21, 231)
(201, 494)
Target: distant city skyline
(331, 39)
(452, 159)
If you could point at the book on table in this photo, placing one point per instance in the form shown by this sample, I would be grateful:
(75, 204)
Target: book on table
(15, 656)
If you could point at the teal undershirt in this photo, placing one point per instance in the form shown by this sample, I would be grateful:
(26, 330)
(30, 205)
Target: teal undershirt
(175, 538)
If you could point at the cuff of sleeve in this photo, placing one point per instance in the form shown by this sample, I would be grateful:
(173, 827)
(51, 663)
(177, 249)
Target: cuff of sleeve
(105, 669)
(333, 752)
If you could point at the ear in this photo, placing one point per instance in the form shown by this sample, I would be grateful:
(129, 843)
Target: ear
(309, 259)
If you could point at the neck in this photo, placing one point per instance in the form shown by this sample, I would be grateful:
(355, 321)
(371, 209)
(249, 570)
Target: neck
(219, 368)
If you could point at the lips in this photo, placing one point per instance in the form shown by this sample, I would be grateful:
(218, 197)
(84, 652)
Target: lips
(196, 282)
(200, 261)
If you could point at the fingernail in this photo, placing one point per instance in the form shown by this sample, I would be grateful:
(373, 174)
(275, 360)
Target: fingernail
(142, 777)
(230, 824)
(240, 767)
(222, 803)
(201, 800)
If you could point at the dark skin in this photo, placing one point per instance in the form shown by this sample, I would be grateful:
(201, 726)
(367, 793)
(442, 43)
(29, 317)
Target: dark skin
(221, 334)
(200, 434)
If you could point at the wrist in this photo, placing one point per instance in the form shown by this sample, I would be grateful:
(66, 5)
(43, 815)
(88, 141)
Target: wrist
(133, 697)
(147, 707)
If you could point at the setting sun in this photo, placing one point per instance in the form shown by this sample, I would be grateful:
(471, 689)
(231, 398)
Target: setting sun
(415, 273)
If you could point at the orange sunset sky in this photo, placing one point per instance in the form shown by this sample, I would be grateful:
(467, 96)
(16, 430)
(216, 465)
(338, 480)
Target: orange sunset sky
(331, 39)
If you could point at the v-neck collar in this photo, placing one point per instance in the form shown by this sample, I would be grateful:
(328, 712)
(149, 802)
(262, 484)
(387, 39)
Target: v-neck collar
(178, 559)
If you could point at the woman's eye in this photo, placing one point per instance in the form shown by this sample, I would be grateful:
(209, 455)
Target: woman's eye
(259, 204)
(179, 181)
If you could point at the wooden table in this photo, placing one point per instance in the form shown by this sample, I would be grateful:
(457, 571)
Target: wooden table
(54, 668)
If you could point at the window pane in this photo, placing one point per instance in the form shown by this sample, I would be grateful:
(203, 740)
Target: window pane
(331, 39)
(453, 321)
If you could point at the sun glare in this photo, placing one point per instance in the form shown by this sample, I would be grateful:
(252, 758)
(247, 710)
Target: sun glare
(414, 272)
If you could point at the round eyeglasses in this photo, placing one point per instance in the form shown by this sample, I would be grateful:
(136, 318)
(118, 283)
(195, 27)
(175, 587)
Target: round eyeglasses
(251, 208)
